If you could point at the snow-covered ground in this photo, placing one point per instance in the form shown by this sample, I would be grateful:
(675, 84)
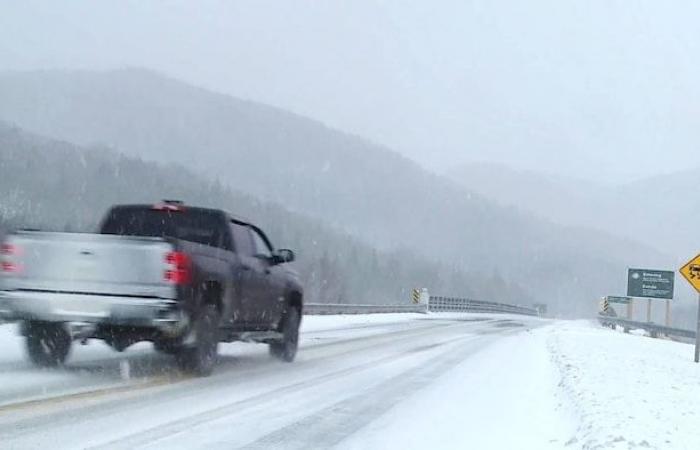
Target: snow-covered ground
(627, 391)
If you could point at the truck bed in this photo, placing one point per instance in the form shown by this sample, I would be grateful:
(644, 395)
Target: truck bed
(89, 264)
(87, 277)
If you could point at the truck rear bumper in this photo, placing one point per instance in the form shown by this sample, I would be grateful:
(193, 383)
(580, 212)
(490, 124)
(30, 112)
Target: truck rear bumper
(67, 307)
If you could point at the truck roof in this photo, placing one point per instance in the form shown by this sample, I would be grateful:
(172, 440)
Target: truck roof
(184, 207)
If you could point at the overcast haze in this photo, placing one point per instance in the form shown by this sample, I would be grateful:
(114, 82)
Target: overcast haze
(597, 89)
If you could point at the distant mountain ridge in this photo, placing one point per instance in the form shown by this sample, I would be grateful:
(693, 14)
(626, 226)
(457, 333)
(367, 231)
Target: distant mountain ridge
(659, 211)
(350, 183)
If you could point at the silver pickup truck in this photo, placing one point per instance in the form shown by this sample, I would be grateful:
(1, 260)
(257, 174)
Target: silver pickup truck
(184, 278)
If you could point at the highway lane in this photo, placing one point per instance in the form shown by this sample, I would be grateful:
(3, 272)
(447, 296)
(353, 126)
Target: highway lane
(347, 374)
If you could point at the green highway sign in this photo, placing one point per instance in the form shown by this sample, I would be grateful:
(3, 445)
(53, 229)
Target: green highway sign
(621, 300)
(646, 283)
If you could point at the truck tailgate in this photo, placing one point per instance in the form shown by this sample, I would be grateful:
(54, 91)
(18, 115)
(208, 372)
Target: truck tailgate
(89, 264)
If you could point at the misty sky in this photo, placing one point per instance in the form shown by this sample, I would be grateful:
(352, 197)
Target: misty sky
(599, 89)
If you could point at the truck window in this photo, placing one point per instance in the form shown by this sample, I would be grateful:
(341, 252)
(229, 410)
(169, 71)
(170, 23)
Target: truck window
(242, 239)
(195, 226)
(261, 245)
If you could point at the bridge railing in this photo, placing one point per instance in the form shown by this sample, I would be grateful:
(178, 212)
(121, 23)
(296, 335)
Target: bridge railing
(342, 308)
(435, 304)
(453, 304)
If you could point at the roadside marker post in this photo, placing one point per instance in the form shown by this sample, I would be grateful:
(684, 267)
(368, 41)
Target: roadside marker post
(424, 297)
(691, 272)
(421, 297)
(608, 299)
(415, 296)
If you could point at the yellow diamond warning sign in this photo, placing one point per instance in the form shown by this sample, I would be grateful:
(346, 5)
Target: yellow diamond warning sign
(691, 272)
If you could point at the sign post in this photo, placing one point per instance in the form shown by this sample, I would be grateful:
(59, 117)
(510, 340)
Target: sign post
(630, 310)
(691, 272)
(697, 335)
(651, 284)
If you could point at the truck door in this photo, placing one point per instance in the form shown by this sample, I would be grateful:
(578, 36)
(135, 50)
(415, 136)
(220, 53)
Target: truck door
(250, 276)
(274, 280)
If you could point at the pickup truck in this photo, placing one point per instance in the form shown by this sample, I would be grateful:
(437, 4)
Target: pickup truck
(182, 277)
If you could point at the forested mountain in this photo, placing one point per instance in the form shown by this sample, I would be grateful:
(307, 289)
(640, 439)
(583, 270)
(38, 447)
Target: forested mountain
(55, 185)
(364, 189)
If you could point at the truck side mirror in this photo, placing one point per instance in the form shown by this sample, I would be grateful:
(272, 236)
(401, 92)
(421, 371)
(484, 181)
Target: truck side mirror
(284, 256)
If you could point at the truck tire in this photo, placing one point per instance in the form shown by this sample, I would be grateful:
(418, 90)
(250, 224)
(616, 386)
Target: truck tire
(48, 343)
(200, 357)
(167, 346)
(286, 350)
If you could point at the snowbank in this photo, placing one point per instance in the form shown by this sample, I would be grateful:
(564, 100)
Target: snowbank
(629, 391)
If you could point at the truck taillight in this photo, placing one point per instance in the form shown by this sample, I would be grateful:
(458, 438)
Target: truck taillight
(180, 270)
(10, 267)
(8, 255)
(10, 250)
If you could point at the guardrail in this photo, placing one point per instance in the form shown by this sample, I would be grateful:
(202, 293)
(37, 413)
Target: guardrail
(436, 304)
(341, 308)
(653, 328)
(452, 304)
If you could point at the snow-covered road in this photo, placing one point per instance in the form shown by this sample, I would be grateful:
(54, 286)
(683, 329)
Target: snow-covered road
(403, 381)
(355, 377)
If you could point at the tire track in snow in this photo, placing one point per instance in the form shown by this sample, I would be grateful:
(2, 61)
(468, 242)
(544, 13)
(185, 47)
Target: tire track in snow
(330, 426)
(65, 413)
(150, 369)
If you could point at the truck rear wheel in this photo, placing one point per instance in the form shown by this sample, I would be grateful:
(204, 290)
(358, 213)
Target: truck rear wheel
(48, 343)
(199, 358)
(168, 346)
(286, 350)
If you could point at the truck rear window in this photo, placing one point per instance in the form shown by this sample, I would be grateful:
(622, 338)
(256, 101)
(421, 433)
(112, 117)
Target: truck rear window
(190, 225)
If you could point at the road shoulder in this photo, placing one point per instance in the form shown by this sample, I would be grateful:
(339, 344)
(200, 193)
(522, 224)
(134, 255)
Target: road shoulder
(630, 391)
(505, 396)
